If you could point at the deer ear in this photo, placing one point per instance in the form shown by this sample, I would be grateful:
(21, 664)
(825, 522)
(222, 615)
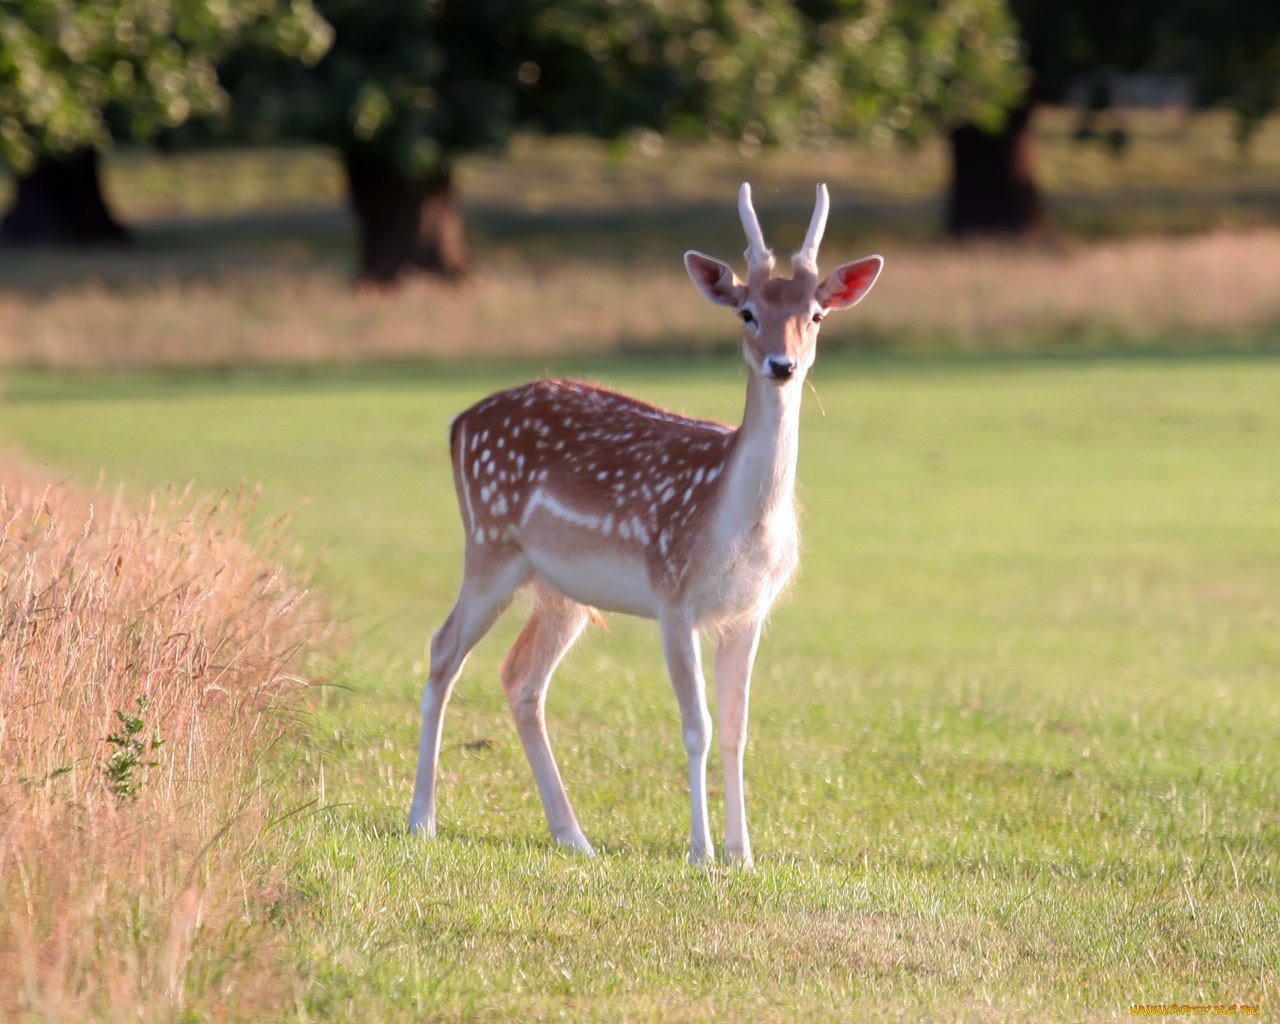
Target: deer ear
(848, 284)
(716, 280)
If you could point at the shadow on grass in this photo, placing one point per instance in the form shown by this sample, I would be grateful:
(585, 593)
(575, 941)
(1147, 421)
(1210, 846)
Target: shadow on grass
(188, 251)
(219, 249)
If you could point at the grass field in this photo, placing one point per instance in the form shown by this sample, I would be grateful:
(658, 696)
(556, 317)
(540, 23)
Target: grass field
(1013, 732)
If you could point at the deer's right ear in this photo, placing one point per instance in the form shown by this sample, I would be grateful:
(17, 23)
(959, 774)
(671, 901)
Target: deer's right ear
(716, 280)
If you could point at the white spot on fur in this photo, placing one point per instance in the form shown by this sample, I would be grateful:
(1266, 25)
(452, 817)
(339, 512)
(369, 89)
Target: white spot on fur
(466, 487)
(541, 499)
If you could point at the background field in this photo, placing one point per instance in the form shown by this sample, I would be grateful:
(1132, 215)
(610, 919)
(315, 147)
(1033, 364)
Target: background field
(246, 257)
(1013, 732)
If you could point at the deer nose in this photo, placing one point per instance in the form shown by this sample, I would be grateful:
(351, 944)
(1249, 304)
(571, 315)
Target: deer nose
(781, 367)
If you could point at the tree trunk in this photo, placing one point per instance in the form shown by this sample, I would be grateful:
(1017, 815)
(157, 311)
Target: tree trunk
(404, 223)
(60, 202)
(993, 187)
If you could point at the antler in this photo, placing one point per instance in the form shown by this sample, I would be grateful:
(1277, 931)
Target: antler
(759, 257)
(807, 257)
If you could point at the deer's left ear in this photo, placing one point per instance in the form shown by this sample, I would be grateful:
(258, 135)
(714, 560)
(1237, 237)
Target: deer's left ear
(716, 280)
(848, 284)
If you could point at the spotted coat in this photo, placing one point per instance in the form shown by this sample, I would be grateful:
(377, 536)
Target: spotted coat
(623, 471)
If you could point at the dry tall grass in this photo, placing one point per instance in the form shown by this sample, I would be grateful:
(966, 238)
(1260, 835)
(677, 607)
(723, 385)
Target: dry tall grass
(111, 907)
(1123, 292)
(1154, 290)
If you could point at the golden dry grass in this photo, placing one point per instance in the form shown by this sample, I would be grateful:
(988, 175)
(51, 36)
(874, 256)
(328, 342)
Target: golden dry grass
(1138, 289)
(1153, 290)
(111, 907)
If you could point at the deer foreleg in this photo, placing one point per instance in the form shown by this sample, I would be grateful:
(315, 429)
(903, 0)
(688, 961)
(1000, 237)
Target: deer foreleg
(734, 658)
(684, 662)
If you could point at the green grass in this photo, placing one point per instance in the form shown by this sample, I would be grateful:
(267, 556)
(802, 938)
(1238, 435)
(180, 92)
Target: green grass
(1013, 731)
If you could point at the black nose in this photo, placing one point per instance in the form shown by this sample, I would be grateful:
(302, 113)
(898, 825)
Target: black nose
(781, 367)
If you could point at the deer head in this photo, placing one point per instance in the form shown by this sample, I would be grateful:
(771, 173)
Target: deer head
(781, 316)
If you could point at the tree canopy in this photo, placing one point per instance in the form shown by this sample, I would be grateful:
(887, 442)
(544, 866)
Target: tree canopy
(426, 81)
(75, 74)
(903, 69)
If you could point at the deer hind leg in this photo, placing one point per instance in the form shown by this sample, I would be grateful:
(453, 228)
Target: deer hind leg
(487, 589)
(553, 627)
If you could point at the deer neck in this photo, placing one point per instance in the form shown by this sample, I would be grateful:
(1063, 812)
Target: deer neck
(761, 473)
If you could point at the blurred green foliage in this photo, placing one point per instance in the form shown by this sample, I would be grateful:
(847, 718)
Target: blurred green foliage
(77, 73)
(719, 67)
(422, 83)
(904, 68)
(410, 81)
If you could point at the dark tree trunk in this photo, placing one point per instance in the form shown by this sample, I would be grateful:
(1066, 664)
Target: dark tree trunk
(404, 223)
(60, 202)
(993, 187)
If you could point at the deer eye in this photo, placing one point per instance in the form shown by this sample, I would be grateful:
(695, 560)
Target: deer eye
(747, 316)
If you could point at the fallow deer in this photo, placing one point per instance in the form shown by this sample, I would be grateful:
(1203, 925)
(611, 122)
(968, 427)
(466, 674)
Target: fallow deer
(604, 502)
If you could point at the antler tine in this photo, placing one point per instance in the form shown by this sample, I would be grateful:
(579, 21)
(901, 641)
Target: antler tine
(807, 257)
(758, 255)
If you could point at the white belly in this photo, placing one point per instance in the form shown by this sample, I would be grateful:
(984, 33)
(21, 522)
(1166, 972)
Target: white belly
(611, 583)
